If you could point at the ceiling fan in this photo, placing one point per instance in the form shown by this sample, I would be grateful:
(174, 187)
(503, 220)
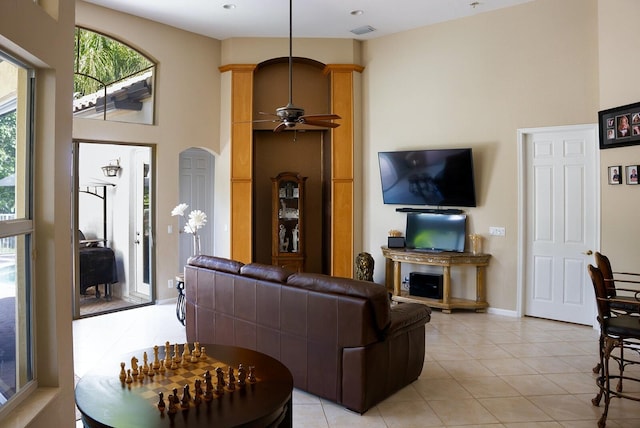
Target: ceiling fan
(290, 115)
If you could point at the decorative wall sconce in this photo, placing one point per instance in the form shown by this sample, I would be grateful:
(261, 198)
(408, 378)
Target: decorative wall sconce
(112, 169)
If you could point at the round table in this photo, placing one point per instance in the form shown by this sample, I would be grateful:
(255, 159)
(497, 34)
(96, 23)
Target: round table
(105, 401)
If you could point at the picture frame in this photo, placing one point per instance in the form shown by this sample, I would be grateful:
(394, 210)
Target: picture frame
(619, 126)
(631, 174)
(615, 175)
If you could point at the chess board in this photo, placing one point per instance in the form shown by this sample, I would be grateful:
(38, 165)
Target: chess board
(149, 387)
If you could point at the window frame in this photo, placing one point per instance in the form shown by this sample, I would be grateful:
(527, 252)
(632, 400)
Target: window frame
(23, 227)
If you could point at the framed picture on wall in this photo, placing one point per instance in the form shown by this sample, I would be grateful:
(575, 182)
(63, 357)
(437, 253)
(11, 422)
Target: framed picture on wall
(631, 172)
(615, 174)
(619, 126)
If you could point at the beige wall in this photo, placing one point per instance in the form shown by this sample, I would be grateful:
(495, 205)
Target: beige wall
(472, 83)
(187, 113)
(619, 44)
(31, 34)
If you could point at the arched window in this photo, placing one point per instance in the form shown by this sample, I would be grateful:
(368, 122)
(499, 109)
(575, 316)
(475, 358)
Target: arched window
(112, 80)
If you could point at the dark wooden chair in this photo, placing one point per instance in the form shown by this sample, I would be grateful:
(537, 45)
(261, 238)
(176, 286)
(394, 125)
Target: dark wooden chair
(624, 298)
(618, 333)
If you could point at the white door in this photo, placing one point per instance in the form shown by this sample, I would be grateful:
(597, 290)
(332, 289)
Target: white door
(196, 190)
(142, 241)
(561, 222)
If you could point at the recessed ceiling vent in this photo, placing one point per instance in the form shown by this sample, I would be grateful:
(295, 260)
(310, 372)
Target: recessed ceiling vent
(363, 30)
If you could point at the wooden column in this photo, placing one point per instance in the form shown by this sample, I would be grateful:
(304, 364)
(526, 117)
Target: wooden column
(342, 180)
(241, 160)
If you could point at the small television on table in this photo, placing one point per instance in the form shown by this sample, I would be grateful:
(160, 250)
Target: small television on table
(436, 232)
(438, 177)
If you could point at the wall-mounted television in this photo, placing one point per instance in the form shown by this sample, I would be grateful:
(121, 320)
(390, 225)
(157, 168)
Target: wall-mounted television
(436, 232)
(439, 177)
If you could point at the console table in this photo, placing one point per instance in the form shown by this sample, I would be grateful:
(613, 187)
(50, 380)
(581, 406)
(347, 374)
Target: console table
(394, 257)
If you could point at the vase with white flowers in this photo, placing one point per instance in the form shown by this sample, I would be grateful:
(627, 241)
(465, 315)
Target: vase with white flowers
(196, 221)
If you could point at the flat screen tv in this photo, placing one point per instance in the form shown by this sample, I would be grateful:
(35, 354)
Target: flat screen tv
(436, 232)
(441, 177)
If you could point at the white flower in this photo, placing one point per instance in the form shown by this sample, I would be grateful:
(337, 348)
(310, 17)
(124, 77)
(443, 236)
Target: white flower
(179, 209)
(197, 218)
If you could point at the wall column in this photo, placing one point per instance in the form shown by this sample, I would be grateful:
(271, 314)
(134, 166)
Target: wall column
(342, 168)
(241, 160)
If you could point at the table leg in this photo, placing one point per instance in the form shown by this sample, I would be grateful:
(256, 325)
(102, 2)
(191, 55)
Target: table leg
(388, 274)
(397, 274)
(446, 288)
(480, 288)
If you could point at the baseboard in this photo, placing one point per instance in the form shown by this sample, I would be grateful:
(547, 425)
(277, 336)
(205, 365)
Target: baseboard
(171, 301)
(503, 312)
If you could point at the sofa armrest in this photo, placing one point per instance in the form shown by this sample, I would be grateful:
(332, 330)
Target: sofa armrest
(405, 316)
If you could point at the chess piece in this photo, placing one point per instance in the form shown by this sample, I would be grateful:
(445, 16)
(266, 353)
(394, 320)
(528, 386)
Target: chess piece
(134, 367)
(196, 349)
(140, 375)
(198, 392)
(252, 374)
(161, 405)
(151, 373)
(193, 358)
(221, 383)
(174, 401)
(208, 395)
(176, 353)
(129, 378)
(162, 368)
(186, 397)
(156, 360)
(167, 353)
(186, 354)
(123, 373)
(173, 365)
(145, 367)
(203, 354)
(242, 376)
(231, 379)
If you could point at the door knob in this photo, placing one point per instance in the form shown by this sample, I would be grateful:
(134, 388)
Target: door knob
(588, 252)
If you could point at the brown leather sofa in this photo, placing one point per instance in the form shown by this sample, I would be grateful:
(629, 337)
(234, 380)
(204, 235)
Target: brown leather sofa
(339, 337)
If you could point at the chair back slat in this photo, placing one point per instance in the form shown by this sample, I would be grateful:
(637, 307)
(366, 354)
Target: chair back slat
(601, 292)
(603, 263)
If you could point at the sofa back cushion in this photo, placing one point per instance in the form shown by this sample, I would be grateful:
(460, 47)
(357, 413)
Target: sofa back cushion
(216, 263)
(376, 294)
(265, 272)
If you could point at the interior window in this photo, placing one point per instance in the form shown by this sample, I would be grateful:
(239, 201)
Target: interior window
(16, 229)
(112, 80)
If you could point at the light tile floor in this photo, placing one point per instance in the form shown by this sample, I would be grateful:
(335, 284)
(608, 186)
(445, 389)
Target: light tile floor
(481, 370)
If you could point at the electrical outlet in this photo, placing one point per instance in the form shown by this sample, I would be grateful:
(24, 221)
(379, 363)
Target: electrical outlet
(497, 231)
(170, 283)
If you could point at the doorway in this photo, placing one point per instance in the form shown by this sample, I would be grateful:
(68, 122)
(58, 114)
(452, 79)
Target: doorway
(113, 219)
(196, 190)
(559, 222)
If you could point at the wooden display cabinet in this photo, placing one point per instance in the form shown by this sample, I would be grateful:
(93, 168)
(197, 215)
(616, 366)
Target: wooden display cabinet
(287, 246)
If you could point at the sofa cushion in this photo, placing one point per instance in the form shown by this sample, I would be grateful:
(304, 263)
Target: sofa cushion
(215, 263)
(371, 291)
(265, 272)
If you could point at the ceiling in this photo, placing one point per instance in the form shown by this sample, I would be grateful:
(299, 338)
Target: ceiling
(311, 18)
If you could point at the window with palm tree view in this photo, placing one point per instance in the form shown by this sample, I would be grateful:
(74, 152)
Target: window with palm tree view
(112, 80)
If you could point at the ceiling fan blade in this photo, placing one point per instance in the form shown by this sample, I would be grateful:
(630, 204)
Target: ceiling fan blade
(267, 114)
(280, 127)
(320, 117)
(320, 123)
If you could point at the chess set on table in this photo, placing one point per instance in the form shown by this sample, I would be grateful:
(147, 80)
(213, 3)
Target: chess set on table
(161, 379)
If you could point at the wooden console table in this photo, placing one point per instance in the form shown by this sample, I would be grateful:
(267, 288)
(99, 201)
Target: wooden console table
(395, 256)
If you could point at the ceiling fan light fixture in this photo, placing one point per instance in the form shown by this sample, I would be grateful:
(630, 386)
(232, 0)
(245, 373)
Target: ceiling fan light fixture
(229, 6)
(357, 12)
(363, 30)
